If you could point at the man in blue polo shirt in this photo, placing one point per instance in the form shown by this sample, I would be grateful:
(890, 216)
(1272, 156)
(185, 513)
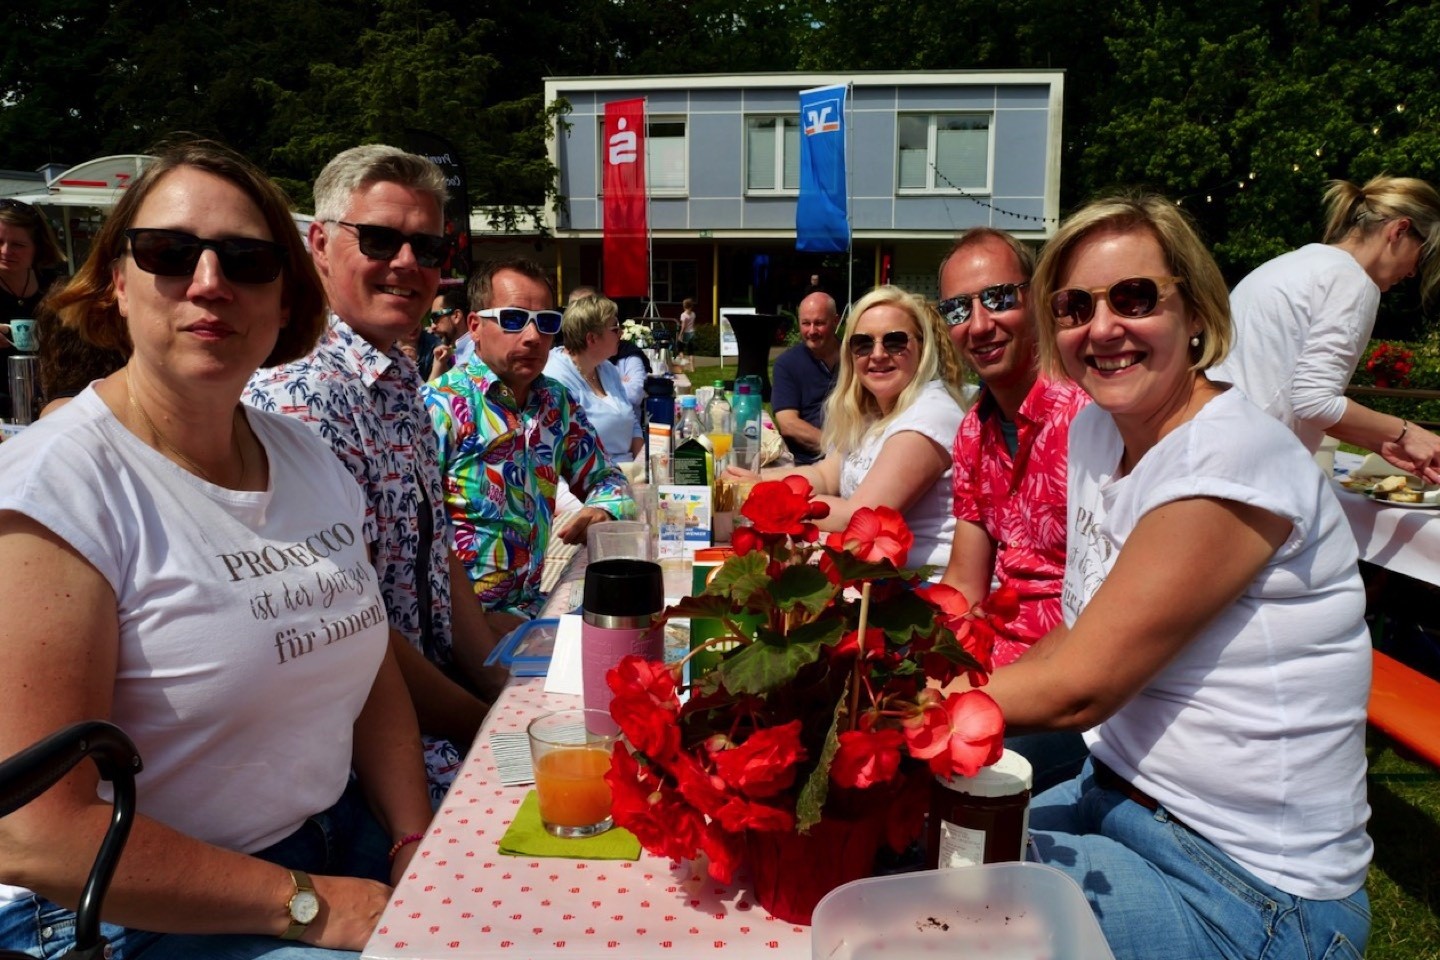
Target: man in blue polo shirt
(803, 377)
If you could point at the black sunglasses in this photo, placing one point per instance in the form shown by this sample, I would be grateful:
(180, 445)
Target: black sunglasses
(863, 344)
(1132, 297)
(174, 253)
(513, 319)
(997, 298)
(437, 315)
(383, 243)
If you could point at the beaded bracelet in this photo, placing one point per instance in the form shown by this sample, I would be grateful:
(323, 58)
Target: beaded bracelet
(1404, 426)
(409, 838)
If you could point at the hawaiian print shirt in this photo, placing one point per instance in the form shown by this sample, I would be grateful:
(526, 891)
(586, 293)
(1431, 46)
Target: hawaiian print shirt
(502, 465)
(366, 405)
(1020, 501)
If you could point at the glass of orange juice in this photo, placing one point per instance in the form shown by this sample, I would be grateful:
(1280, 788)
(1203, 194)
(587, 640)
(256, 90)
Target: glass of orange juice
(570, 764)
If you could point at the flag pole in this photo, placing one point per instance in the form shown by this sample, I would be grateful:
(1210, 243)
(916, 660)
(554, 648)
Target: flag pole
(849, 226)
(651, 313)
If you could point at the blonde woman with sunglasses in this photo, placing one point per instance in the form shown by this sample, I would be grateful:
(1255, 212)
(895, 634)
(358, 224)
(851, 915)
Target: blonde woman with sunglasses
(1303, 320)
(891, 421)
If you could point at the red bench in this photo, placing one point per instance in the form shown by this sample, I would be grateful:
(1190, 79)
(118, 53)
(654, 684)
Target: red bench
(1405, 706)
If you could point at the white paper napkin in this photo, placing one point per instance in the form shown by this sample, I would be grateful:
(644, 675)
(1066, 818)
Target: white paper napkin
(564, 675)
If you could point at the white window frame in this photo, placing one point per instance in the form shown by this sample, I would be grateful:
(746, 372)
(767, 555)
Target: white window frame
(681, 191)
(778, 189)
(933, 183)
(667, 282)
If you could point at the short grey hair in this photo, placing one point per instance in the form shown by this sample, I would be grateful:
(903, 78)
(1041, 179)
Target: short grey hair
(358, 167)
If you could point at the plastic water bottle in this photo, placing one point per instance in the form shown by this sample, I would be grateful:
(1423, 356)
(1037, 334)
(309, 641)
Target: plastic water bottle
(690, 426)
(717, 414)
(745, 445)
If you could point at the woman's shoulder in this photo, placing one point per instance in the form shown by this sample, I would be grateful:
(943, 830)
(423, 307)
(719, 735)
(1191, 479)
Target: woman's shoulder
(71, 435)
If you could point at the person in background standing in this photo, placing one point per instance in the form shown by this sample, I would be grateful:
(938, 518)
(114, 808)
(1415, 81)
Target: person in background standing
(687, 327)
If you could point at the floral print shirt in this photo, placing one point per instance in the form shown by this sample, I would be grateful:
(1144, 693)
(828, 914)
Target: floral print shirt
(502, 465)
(1020, 501)
(366, 405)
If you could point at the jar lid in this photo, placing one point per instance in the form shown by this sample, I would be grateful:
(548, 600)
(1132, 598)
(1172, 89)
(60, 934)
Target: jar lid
(1006, 777)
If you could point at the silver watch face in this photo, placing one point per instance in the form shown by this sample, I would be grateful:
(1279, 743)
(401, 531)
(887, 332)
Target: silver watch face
(304, 906)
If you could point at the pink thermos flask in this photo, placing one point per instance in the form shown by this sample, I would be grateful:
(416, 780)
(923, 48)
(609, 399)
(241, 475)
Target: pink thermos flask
(623, 600)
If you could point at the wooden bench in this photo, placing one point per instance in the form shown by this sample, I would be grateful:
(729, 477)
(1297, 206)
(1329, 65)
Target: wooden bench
(1405, 706)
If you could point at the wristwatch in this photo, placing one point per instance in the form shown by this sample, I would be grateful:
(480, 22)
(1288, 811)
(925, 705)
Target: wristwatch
(303, 906)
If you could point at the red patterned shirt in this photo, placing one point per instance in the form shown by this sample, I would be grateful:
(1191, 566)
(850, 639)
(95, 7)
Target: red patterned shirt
(1020, 501)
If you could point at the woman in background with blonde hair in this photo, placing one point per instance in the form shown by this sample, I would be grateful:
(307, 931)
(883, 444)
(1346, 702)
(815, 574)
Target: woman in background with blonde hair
(1302, 320)
(891, 421)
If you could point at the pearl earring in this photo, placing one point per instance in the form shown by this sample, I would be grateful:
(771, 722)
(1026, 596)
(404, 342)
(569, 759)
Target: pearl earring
(1195, 341)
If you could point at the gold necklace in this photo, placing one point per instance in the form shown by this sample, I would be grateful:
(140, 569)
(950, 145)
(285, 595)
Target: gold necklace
(165, 441)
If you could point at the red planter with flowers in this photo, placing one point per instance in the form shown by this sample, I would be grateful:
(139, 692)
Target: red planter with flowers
(813, 741)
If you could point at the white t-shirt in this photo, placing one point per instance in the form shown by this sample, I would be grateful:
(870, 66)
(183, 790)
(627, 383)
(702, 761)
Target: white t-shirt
(251, 626)
(1302, 322)
(1254, 735)
(936, 415)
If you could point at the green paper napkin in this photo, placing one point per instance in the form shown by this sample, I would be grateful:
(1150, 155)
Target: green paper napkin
(527, 838)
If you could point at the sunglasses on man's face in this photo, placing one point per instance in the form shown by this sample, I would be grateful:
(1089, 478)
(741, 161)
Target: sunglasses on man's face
(383, 243)
(436, 316)
(513, 319)
(174, 253)
(1132, 297)
(997, 298)
(863, 344)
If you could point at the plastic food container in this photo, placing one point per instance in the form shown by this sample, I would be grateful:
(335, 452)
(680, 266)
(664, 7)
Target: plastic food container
(999, 911)
(526, 650)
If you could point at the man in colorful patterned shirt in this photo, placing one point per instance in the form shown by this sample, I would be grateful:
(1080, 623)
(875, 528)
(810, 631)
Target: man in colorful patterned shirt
(1010, 453)
(509, 436)
(375, 241)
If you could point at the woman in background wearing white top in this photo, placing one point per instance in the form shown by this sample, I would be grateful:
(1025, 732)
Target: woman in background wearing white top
(589, 334)
(194, 571)
(1213, 646)
(1303, 320)
(890, 423)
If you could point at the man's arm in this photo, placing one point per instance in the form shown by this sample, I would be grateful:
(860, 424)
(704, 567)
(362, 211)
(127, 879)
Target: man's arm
(972, 561)
(798, 430)
(473, 635)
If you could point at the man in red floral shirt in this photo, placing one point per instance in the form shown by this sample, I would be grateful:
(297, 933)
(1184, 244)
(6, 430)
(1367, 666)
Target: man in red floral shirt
(1010, 453)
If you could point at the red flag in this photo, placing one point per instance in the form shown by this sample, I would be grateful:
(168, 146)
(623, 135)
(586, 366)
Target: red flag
(627, 255)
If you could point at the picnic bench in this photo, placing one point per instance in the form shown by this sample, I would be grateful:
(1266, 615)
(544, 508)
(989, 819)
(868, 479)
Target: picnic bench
(1405, 706)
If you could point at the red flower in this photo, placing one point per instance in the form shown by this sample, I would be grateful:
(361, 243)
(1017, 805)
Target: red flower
(782, 507)
(866, 758)
(723, 849)
(960, 735)
(646, 707)
(875, 534)
(764, 764)
(875, 647)
(651, 811)
(744, 539)
(636, 676)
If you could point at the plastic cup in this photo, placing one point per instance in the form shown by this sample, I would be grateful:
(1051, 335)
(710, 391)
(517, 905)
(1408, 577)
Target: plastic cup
(570, 763)
(618, 540)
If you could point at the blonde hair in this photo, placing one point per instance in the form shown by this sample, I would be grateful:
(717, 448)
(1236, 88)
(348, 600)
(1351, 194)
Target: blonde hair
(586, 316)
(1201, 285)
(851, 412)
(1360, 211)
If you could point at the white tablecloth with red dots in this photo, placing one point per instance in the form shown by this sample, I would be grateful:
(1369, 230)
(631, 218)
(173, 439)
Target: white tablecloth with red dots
(463, 899)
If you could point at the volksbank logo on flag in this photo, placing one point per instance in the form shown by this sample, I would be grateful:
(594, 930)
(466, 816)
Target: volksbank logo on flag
(822, 116)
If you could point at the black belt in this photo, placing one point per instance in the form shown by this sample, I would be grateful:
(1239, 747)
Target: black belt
(1108, 779)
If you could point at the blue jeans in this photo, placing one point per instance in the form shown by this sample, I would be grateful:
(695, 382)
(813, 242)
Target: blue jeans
(1054, 756)
(1162, 891)
(344, 840)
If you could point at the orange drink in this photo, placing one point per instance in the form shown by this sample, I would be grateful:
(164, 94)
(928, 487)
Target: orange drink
(721, 443)
(570, 755)
(571, 785)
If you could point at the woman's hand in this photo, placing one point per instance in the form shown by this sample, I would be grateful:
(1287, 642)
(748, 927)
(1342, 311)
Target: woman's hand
(350, 910)
(1418, 452)
(401, 863)
(739, 474)
(5, 336)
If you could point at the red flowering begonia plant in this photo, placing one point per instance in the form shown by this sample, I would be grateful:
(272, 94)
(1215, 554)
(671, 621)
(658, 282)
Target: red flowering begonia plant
(805, 716)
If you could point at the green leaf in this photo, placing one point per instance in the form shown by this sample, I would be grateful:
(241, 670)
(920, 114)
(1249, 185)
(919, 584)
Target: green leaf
(804, 586)
(810, 804)
(743, 581)
(903, 616)
(774, 660)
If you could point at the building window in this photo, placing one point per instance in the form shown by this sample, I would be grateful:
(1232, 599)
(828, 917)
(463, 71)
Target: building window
(672, 280)
(667, 156)
(772, 154)
(943, 152)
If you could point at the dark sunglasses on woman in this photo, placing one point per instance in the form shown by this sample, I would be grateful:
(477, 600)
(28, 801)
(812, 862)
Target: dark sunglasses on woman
(513, 319)
(383, 243)
(174, 253)
(997, 298)
(1132, 297)
(863, 344)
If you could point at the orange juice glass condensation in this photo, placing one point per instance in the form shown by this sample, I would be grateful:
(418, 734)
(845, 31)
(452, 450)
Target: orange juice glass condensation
(570, 784)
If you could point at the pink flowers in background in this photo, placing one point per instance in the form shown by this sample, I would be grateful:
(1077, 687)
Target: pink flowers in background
(811, 715)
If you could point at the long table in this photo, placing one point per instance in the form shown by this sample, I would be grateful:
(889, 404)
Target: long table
(463, 899)
(1405, 540)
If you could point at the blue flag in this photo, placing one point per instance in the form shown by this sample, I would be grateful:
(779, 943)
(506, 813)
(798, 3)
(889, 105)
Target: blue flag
(822, 224)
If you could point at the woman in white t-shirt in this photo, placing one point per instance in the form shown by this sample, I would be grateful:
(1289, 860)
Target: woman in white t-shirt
(890, 423)
(1303, 320)
(195, 571)
(1213, 647)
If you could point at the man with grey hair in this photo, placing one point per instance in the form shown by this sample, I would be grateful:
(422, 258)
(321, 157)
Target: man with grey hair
(377, 244)
(804, 376)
